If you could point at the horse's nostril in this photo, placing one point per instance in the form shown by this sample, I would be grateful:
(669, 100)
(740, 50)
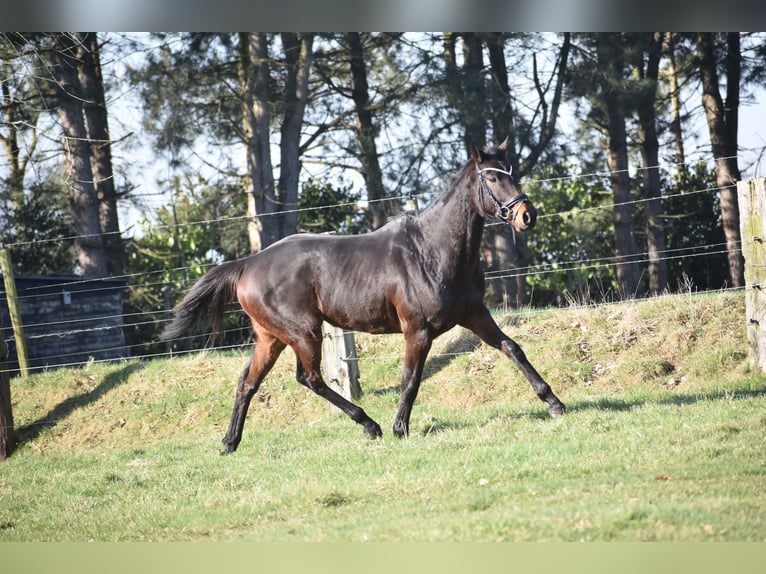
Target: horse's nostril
(527, 218)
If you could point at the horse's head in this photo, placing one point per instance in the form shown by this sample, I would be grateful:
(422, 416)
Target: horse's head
(498, 193)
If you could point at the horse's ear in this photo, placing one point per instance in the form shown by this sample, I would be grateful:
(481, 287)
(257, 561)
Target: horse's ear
(476, 154)
(503, 146)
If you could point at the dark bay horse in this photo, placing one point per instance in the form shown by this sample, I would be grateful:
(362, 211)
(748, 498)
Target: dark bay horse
(418, 275)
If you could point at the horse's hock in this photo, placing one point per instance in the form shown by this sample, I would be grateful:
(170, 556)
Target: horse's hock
(752, 221)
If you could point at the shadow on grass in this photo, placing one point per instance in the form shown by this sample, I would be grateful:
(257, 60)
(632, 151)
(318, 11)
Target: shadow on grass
(601, 404)
(466, 343)
(679, 400)
(31, 431)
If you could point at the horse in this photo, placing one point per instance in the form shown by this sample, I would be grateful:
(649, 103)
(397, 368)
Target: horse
(419, 275)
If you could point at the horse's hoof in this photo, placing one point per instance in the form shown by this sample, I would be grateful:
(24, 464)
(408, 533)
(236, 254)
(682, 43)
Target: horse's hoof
(400, 430)
(372, 430)
(557, 410)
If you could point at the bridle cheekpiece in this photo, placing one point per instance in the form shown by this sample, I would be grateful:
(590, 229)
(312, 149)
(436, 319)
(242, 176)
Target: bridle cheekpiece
(504, 211)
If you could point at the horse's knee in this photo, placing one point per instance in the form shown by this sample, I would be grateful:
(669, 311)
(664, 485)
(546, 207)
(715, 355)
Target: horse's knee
(512, 349)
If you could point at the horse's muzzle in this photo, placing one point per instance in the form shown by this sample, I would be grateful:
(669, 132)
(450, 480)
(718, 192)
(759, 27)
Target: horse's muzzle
(524, 216)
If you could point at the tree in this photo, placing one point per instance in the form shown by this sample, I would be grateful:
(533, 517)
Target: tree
(97, 127)
(262, 202)
(366, 130)
(675, 99)
(481, 97)
(647, 66)
(21, 108)
(339, 212)
(465, 86)
(610, 61)
(601, 84)
(37, 229)
(89, 244)
(573, 250)
(298, 58)
(529, 138)
(368, 86)
(245, 86)
(722, 119)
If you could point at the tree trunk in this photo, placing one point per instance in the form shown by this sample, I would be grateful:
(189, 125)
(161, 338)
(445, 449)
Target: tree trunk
(501, 248)
(89, 244)
(97, 125)
(722, 121)
(373, 177)
(15, 180)
(655, 230)
(675, 105)
(610, 62)
(254, 73)
(298, 56)
(473, 109)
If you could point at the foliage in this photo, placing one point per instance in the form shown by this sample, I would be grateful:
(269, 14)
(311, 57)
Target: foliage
(40, 231)
(201, 227)
(572, 243)
(326, 208)
(185, 87)
(696, 250)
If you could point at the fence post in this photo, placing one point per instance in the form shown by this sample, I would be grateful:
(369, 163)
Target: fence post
(14, 311)
(7, 432)
(341, 369)
(751, 195)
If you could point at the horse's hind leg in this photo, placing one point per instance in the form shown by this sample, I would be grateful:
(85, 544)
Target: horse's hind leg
(308, 373)
(267, 350)
(485, 327)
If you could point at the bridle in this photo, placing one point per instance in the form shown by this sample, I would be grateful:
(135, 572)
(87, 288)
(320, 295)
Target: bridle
(505, 211)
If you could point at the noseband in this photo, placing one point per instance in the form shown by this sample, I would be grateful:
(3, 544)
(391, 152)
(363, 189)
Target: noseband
(504, 211)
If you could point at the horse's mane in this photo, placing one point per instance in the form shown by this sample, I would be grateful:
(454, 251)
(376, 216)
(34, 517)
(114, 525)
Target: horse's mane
(492, 152)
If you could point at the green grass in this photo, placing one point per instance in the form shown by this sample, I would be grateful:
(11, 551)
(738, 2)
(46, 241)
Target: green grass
(664, 440)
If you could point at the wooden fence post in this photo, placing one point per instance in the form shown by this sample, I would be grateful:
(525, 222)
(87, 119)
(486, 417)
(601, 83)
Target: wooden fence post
(7, 432)
(14, 311)
(751, 195)
(339, 363)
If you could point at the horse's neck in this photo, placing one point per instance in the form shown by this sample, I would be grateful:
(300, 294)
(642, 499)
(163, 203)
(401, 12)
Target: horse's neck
(454, 226)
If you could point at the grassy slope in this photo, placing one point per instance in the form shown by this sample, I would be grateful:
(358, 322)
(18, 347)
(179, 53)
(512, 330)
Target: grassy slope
(664, 440)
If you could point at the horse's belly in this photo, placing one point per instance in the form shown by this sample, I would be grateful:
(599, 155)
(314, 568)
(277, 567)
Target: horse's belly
(365, 316)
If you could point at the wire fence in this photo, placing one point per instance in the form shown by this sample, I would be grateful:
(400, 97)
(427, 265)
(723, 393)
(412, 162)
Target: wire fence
(99, 325)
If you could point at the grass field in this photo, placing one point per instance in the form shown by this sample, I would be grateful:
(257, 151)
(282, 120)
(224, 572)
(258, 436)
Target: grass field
(665, 439)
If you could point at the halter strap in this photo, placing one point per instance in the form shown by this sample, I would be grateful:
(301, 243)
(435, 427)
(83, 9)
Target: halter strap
(502, 210)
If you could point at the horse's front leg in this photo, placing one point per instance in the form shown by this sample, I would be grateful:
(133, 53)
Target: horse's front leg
(416, 349)
(485, 327)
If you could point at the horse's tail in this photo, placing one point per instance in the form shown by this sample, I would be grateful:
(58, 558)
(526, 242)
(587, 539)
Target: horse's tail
(206, 301)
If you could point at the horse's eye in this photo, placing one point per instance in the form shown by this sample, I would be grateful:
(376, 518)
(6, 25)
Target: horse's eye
(492, 178)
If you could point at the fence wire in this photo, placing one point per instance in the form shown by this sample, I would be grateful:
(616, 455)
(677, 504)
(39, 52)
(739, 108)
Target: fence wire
(76, 327)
